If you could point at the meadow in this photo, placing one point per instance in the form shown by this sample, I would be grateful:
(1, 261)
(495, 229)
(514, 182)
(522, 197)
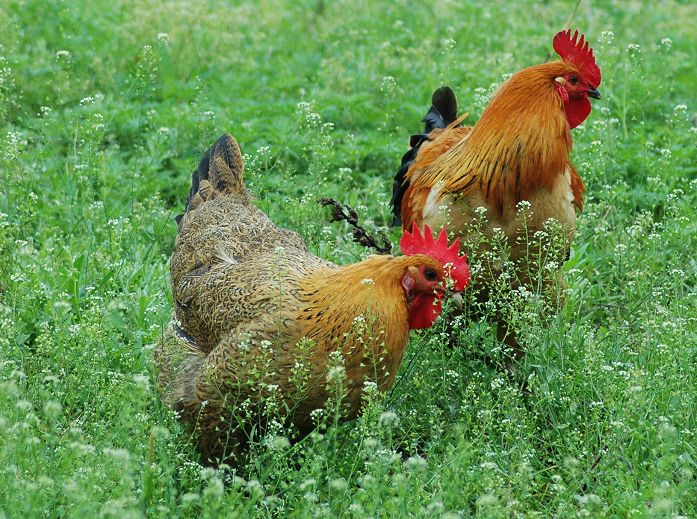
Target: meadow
(106, 108)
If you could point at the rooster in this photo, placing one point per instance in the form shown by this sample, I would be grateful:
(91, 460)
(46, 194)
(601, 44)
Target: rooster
(254, 310)
(518, 151)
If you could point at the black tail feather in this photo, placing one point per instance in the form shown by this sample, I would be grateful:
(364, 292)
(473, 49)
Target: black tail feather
(443, 111)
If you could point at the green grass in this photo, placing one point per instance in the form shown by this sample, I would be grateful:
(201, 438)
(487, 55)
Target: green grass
(105, 108)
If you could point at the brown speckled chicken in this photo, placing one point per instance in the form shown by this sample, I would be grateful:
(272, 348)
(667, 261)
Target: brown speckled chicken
(257, 317)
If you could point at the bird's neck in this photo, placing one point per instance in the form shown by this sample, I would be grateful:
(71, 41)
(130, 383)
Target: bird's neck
(369, 288)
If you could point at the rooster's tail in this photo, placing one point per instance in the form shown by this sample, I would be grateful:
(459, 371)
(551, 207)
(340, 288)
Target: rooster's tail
(442, 113)
(219, 173)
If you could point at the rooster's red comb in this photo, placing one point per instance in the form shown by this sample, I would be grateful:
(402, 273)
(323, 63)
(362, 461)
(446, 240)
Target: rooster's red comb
(577, 53)
(415, 243)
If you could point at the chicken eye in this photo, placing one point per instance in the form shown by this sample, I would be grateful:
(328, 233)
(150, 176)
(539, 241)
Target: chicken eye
(573, 80)
(430, 275)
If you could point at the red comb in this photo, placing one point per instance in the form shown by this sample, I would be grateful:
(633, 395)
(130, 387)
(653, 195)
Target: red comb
(414, 243)
(577, 53)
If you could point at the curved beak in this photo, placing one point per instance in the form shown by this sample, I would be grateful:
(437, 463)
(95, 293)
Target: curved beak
(593, 92)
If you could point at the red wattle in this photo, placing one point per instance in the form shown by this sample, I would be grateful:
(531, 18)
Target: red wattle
(423, 311)
(577, 109)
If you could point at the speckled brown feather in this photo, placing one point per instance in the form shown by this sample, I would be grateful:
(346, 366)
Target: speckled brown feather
(246, 291)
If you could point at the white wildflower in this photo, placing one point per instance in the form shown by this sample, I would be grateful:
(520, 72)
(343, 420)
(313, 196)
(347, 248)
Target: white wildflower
(416, 463)
(634, 49)
(607, 37)
(279, 443)
(338, 484)
(336, 373)
(52, 409)
(448, 44)
(389, 419)
(142, 381)
(388, 84)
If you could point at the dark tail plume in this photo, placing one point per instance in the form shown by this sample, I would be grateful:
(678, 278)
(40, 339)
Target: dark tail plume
(443, 111)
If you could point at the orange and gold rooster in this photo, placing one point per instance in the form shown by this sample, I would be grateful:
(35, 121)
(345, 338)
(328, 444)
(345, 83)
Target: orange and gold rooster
(260, 321)
(518, 151)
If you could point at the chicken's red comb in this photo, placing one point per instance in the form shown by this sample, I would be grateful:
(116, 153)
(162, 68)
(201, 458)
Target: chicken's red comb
(579, 54)
(415, 243)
